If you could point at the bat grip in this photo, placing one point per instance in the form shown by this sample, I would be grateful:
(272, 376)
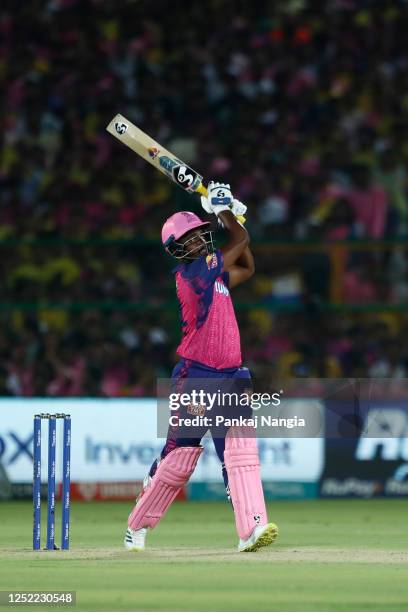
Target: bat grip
(203, 191)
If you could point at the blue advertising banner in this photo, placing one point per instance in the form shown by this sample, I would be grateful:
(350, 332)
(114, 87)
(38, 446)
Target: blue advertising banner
(368, 456)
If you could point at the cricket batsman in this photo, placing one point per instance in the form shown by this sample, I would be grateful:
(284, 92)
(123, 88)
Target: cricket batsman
(209, 349)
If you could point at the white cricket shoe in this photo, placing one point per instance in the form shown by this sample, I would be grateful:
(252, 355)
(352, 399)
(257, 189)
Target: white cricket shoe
(135, 539)
(263, 535)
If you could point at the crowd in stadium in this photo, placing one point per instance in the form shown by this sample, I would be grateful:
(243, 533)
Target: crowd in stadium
(300, 106)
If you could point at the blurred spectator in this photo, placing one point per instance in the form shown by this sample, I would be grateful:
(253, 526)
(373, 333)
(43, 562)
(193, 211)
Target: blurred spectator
(369, 203)
(390, 172)
(290, 107)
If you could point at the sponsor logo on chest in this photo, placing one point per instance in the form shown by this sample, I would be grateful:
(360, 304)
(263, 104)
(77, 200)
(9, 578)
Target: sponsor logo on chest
(221, 288)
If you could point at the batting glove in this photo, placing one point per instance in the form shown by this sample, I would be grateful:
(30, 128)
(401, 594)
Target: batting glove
(238, 209)
(219, 198)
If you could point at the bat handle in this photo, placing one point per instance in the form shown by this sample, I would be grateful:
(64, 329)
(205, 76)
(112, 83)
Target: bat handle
(203, 191)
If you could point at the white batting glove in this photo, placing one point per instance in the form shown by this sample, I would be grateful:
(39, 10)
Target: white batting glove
(219, 198)
(206, 205)
(238, 209)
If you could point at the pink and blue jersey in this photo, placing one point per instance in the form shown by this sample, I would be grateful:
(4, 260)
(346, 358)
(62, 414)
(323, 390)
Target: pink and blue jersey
(209, 327)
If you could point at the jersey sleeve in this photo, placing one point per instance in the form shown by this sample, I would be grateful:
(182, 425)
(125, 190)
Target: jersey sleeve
(203, 272)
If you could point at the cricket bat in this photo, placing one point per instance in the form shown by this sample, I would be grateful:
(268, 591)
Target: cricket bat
(175, 169)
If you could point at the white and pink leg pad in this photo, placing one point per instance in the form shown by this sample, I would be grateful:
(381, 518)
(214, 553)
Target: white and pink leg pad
(172, 473)
(244, 478)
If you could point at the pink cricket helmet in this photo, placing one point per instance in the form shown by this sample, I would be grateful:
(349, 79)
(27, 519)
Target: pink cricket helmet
(179, 224)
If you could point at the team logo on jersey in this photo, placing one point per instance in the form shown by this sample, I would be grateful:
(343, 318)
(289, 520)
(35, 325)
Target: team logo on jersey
(196, 410)
(121, 127)
(153, 152)
(212, 261)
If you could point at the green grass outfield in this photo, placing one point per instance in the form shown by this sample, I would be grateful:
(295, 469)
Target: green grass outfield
(330, 555)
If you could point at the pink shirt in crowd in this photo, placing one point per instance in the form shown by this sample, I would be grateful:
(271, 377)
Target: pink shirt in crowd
(370, 209)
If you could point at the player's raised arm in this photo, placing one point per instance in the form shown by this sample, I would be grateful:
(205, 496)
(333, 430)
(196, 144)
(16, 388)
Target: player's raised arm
(238, 259)
(243, 269)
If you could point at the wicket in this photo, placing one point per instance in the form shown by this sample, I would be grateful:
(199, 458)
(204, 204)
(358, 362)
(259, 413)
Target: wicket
(66, 480)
